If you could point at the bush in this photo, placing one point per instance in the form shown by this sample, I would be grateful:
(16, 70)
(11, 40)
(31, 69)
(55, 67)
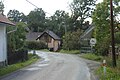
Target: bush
(71, 41)
(36, 45)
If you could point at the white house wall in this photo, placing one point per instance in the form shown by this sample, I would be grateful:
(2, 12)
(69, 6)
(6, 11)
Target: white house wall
(3, 52)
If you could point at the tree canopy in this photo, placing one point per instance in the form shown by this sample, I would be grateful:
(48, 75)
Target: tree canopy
(36, 20)
(101, 19)
(81, 9)
(1, 8)
(16, 16)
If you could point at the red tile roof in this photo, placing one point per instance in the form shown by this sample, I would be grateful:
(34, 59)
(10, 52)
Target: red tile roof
(4, 20)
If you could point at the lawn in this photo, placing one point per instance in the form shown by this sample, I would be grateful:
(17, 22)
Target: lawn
(14, 67)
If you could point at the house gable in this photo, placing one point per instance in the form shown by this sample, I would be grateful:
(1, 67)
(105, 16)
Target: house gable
(50, 33)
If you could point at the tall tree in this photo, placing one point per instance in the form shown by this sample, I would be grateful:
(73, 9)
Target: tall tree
(81, 9)
(101, 19)
(16, 16)
(1, 8)
(36, 20)
(60, 20)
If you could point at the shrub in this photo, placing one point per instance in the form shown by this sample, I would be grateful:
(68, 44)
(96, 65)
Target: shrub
(36, 45)
(71, 41)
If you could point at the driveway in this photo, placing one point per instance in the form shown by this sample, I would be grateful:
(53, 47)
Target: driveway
(54, 66)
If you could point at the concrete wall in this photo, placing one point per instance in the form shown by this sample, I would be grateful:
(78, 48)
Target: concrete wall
(3, 48)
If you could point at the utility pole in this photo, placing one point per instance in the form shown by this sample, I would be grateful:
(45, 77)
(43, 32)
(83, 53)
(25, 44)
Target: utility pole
(112, 35)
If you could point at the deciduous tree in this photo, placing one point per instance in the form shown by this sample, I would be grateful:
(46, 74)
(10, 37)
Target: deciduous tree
(36, 20)
(16, 16)
(101, 19)
(81, 9)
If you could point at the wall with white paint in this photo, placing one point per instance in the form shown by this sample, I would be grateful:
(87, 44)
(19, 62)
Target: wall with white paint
(3, 47)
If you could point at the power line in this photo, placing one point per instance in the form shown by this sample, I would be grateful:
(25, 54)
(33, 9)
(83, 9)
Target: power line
(32, 4)
(36, 6)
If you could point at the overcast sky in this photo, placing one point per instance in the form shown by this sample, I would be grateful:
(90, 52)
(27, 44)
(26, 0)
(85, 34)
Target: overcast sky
(49, 6)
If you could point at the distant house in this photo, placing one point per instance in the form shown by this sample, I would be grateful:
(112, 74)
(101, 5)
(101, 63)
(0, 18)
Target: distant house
(3, 38)
(51, 39)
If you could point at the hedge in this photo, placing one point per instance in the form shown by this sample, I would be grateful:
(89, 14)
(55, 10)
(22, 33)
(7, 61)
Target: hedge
(36, 45)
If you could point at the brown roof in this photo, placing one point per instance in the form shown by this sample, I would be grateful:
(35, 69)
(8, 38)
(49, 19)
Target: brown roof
(32, 36)
(4, 20)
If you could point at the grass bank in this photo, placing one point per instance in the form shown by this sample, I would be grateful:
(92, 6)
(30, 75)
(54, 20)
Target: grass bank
(70, 51)
(14, 67)
(91, 56)
(111, 73)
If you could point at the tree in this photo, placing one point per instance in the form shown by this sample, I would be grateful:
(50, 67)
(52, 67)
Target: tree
(36, 20)
(16, 40)
(101, 19)
(81, 9)
(60, 22)
(71, 41)
(1, 7)
(16, 16)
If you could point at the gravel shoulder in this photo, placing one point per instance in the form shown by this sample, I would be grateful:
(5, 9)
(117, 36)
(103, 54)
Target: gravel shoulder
(93, 65)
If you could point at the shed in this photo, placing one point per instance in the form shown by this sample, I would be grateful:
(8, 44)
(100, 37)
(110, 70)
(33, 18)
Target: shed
(51, 39)
(3, 39)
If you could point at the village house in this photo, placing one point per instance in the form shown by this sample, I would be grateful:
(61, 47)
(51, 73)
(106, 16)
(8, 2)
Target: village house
(3, 39)
(51, 39)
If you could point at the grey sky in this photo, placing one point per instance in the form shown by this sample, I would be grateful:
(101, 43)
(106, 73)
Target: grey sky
(49, 6)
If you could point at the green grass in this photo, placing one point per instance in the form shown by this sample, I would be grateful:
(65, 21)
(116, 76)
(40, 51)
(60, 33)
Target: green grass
(91, 56)
(14, 67)
(46, 50)
(111, 73)
(70, 52)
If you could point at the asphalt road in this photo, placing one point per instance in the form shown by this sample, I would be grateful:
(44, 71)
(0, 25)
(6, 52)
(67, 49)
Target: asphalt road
(54, 66)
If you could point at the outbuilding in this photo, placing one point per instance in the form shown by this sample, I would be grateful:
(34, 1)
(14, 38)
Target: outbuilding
(51, 39)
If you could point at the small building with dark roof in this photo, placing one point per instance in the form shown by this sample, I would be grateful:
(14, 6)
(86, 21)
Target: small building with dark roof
(3, 38)
(51, 39)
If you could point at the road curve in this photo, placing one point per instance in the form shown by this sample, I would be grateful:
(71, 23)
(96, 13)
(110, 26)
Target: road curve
(54, 66)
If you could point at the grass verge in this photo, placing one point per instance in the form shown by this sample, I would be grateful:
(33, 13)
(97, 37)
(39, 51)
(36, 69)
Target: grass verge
(91, 56)
(14, 67)
(70, 51)
(111, 73)
(46, 50)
